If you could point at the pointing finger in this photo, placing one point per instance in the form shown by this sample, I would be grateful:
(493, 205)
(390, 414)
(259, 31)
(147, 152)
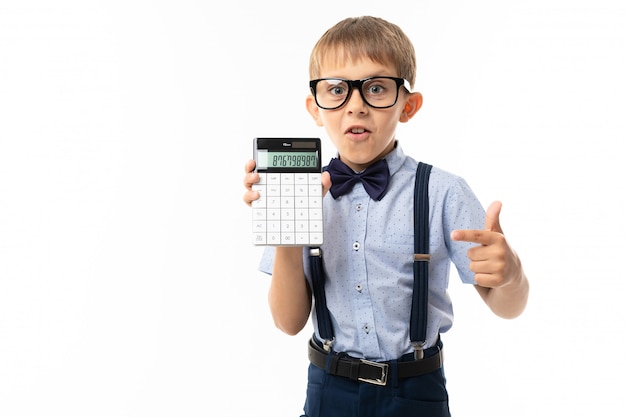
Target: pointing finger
(492, 217)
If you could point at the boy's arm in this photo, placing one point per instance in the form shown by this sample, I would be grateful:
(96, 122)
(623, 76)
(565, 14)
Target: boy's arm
(289, 294)
(499, 276)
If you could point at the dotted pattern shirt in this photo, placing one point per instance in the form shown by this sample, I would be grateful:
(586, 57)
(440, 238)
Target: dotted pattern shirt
(368, 258)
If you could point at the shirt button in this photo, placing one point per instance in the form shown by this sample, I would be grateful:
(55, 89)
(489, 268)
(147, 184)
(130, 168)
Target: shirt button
(366, 328)
(356, 245)
(359, 207)
(359, 287)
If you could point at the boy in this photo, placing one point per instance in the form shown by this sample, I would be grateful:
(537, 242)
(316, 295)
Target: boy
(366, 357)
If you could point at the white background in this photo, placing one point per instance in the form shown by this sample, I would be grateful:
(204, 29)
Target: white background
(128, 281)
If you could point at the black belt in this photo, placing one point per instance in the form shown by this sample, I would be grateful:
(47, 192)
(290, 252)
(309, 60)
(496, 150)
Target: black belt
(372, 372)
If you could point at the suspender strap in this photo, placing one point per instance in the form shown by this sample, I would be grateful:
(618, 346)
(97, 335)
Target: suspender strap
(318, 278)
(419, 306)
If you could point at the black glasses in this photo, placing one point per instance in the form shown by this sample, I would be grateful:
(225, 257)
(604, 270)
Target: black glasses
(377, 92)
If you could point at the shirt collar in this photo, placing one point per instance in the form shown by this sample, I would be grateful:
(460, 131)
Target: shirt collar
(395, 158)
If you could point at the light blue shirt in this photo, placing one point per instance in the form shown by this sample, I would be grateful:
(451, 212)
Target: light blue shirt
(368, 258)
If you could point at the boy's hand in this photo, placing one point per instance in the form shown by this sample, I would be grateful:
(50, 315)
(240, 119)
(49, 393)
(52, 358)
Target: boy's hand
(494, 263)
(326, 182)
(249, 180)
(252, 178)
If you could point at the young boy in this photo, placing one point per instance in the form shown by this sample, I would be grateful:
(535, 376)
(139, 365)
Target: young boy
(367, 359)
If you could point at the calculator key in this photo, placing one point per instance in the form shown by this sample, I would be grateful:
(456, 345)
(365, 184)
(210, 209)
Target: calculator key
(315, 202)
(315, 177)
(273, 178)
(259, 238)
(288, 238)
(273, 238)
(301, 202)
(286, 202)
(259, 227)
(273, 227)
(287, 226)
(301, 178)
(315, 214)
(287, 190)
(316, 226)
(301, 190)
(316, 238)
(302, 238)
(259, 214)
(315, 190)
(302, 226)
(302, 214)
(273, 190)
(273, 202)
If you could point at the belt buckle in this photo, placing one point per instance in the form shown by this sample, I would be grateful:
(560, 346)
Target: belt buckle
(384, 368)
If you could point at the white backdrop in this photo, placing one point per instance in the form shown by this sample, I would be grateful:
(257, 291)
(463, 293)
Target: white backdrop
(128, 281)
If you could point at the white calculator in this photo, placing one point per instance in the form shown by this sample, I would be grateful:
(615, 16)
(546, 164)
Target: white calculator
(289, 211)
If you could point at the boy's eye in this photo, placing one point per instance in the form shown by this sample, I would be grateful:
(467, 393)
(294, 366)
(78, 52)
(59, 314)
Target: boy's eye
(374, 88)
(338, 90)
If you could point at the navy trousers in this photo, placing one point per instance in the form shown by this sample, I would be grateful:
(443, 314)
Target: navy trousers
(335, 396)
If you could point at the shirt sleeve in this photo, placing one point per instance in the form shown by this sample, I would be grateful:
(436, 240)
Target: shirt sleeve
(463, 211)
(266, 263)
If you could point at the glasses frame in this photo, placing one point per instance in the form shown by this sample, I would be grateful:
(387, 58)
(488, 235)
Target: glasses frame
(358, 84)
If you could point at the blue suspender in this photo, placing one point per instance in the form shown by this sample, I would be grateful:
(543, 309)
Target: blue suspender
(421, 258)
(419, 305)
(318, 276)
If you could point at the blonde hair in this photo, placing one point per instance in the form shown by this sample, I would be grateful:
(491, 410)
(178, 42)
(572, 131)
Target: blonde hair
(365, 37)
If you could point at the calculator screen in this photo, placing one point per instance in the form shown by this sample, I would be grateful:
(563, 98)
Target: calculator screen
(286, 159)
(295, 155)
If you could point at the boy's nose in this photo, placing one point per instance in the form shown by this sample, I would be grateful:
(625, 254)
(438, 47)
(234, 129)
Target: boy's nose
(356, 104)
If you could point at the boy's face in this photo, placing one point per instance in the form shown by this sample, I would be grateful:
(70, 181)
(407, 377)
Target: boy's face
(363, 134)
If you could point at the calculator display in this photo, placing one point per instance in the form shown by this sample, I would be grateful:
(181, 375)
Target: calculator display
(287, 154)
(273, 159)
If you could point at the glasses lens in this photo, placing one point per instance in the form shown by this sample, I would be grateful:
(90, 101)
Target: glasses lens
(380, 92)
(377, 92)
(331, 93)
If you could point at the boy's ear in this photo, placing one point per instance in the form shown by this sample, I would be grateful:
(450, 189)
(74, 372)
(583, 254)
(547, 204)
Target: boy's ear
(313, 110)
(412, 104)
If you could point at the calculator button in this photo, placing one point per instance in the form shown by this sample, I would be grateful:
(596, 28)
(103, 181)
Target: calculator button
(288, 238)
(259, 214)
(316, 226)
(273, 238)
(273, 227)
(316, 238)
(302, 214)
(302, 226)
(273, 202)
(315, 214)
(259, 238)
(303, 238)
(273, 190)
(286, 202)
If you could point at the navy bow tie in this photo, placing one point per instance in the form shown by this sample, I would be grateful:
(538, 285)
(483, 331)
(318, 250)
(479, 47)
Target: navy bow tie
(375, 178)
